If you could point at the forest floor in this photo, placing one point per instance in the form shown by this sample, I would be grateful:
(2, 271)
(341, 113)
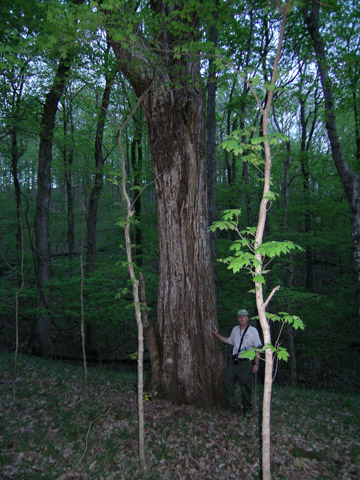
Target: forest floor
(54, 428)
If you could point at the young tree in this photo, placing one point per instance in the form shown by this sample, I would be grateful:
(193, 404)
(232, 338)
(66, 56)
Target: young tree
(252, 239)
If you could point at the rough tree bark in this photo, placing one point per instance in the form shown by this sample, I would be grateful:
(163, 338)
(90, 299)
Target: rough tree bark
(349, 179)
(211, 142)
(190, 359)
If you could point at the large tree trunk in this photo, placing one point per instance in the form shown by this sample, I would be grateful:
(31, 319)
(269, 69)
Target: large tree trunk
(190, 359)
(41, 338)
(350, 179)
(211, 145)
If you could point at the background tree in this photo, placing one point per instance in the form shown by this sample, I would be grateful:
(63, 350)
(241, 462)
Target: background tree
(349, 178)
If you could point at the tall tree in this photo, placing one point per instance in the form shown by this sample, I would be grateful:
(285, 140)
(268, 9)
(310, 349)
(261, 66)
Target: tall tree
(136, 163)
(349, 178)
(307, 126)
(174, 109)
(68, 159)
(99, 165)
(41, 338)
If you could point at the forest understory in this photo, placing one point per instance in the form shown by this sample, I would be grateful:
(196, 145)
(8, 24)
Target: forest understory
(55, 428)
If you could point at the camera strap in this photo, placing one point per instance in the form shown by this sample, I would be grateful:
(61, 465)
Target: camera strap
(242, 338)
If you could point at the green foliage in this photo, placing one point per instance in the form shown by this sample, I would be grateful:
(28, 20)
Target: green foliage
(275, 249)
(245, 251)
(251, 150)
(285, 317)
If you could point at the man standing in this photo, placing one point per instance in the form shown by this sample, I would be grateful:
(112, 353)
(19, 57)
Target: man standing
(243, 337)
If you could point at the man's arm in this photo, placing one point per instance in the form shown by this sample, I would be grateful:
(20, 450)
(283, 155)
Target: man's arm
(220, 337)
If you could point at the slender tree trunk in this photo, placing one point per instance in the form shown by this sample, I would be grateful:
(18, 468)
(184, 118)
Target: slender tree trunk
(261, 303)
(135, 284)
(307, 132)
(136, 162)
(15, 155)
(68, 157)
(350, 179)
(356, 120)
(304, 161)
(41, 338)
(150, 337)
(94, 197)
(98, 179)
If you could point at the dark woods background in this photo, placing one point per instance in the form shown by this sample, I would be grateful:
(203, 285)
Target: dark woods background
(64, 97)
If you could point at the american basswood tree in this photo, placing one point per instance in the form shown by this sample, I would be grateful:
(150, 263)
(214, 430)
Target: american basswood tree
(174, 109)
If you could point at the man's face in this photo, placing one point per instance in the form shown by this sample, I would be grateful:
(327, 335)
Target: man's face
(242, 319)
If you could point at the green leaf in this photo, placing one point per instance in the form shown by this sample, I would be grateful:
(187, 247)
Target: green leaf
(232, 145)
(275, 249)
(239, 244)
(231, 213)
(269, 86)
(250, 354)
(293, 320)
(259, 279)
(270, 195)
(282, 354)
(222, 225)
(255, 80)
(257, 140)
(249, 231)
(242, 260)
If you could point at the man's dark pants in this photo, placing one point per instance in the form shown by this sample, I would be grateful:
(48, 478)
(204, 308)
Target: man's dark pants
(242, 373)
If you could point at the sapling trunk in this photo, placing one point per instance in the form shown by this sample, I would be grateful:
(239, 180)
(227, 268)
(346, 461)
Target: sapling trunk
(17, 294)
(261, 304)
(135, 289)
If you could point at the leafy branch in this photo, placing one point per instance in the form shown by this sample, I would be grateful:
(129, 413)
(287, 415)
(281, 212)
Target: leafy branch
(246, 253)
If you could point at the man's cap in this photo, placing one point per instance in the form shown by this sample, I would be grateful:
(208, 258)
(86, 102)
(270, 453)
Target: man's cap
(243, 312)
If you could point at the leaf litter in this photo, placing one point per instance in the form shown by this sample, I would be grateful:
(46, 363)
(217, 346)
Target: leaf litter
(57, 429)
